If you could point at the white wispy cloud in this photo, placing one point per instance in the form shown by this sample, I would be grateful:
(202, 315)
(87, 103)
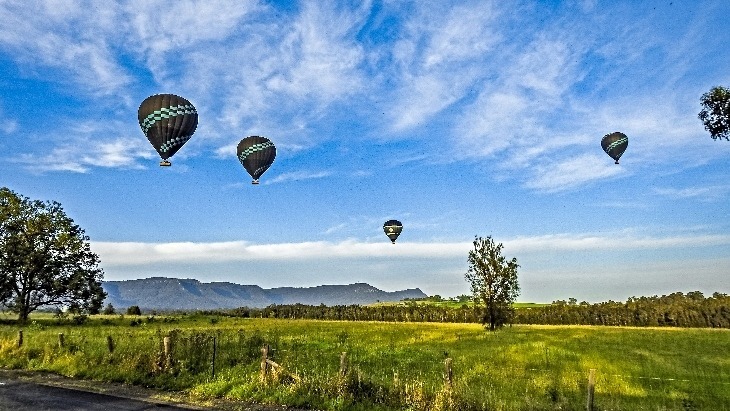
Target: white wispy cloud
(136, 253)
(7, 125)
(90, 144)
(572, 172)
(145, 253)
(298, 176)
(159, 27)
(81, 157)
(64, 37)
(434, 41)
(704, 193)
(536, 122)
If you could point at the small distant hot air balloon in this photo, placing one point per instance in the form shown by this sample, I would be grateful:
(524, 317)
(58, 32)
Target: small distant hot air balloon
(168, 121)
(615, 144)
(392, 229)
(256, 154)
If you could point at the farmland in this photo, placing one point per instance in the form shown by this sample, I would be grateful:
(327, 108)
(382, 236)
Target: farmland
(388, 365)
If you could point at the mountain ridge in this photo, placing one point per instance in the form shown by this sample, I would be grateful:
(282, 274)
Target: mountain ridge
(165, 293)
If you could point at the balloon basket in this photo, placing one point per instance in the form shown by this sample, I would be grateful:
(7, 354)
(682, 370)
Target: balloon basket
(165, 163)
(255, 182)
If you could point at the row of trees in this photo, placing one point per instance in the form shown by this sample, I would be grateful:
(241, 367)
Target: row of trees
(675, 310)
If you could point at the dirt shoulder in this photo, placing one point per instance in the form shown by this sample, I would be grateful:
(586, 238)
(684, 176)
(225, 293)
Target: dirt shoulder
(178, 399)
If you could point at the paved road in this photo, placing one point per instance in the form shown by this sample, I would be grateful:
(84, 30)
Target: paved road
(18, 395)
(22, 390)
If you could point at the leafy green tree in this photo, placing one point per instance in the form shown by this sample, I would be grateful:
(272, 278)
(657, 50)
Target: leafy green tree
(45, 259)
(493, 282)
(134, 310)
(715, 114)
(109, 309)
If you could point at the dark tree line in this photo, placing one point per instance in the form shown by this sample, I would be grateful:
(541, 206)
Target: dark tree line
(674, 310)
(411, 312)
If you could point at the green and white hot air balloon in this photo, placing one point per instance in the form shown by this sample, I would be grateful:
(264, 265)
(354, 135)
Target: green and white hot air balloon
(168, 121)
(615, 144)
(256, 155)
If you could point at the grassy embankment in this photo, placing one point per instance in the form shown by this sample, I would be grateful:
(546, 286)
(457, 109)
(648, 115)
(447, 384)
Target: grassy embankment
(390, 365)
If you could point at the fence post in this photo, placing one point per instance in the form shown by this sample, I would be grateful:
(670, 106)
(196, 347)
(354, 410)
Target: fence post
(20, 338)
(61, 340)
(448, 373)
(591, 388)
(212, 364)
(167, 346)
(343, 364)
(264, 364)
(110, 343)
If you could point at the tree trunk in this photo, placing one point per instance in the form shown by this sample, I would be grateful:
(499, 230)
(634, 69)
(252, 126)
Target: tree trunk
(23, 315)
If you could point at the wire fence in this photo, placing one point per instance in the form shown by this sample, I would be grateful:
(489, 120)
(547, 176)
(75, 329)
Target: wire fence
(208, 355)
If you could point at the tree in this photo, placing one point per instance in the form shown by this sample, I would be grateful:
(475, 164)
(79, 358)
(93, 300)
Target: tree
(134, 310)
(493, 282)
(45, 259)
(715, 112)
(109, 309)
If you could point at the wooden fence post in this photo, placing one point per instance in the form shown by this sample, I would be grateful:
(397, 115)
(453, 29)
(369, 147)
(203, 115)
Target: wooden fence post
(591, 388)
(20, 338)
(264, 364)
(110, 343)
(167, 347)
(343, 364)
(61, 340)
(212, 365)
(448, 373)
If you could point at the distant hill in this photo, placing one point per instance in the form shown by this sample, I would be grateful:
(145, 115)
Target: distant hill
(161, 293)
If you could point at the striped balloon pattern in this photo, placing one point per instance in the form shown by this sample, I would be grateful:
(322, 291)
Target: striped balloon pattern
(392, 229)
(168, 121)
(615, 144)
(256, 155)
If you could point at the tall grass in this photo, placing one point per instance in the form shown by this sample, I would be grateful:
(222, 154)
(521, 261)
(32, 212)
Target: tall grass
(392, 366)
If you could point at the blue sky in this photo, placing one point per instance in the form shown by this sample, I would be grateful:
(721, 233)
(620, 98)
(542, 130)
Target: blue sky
(457, 118)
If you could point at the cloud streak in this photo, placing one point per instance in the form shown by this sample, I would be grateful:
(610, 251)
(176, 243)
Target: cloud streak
(136, 253)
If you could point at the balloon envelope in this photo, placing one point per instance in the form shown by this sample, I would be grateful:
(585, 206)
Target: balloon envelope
(615, 144)
(168, 121)
(392, 229)
(256, 154)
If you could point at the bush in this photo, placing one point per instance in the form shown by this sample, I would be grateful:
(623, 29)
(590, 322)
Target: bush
(134, 310)
(109, 309)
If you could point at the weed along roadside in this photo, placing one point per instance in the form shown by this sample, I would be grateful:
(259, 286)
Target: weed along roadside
(340, 365)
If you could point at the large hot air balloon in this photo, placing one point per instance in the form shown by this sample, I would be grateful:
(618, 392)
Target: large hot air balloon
(392, 229)
(168, 121)
(256, 154)
(615, 144)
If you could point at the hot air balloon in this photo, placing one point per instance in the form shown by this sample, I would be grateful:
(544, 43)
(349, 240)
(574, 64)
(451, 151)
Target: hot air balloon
(392, 229)
(168, 121)
(256, 154)
(615, 144)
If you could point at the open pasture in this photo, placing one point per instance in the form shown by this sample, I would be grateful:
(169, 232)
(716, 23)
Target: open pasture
(388, 366)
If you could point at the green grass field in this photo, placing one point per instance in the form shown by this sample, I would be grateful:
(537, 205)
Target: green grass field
(391, 366)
